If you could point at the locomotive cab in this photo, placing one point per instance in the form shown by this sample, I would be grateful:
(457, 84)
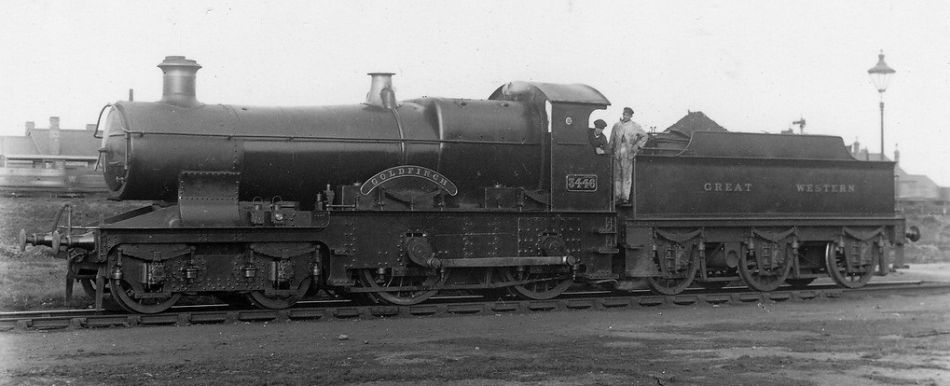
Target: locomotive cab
(579, 177)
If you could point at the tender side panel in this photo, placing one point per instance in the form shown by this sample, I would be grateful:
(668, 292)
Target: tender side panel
(735, 187)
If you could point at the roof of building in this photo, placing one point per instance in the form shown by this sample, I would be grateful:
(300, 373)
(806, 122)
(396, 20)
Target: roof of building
(37, 142)
(17, 145)
(918, 186)
(71, 142)
(865, 156)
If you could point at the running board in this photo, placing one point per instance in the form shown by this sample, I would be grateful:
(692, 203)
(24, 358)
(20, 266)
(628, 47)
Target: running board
(518, 261)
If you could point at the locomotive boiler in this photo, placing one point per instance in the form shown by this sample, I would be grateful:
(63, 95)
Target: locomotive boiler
(295, 152)
(391, 201)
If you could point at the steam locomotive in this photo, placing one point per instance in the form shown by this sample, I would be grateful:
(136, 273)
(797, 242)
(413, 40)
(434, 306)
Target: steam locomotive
(392, 201)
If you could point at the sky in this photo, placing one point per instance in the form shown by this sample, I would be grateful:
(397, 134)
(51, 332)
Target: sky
(753, 66)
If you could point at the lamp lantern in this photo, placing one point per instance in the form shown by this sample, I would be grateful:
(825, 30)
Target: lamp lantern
(880, 77)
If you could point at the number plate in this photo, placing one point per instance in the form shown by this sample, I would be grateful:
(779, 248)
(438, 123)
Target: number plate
(582, 182)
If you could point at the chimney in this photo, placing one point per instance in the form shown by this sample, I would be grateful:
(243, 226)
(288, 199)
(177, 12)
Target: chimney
(897, 154)
(381, 90)
(90, 127)
(30, 125)
(179, 81)
(54, 136)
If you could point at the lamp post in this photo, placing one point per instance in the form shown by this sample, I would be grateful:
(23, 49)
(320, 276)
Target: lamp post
(880, 77)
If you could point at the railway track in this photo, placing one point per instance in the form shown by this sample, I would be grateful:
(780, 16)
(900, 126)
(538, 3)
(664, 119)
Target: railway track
(325, 310)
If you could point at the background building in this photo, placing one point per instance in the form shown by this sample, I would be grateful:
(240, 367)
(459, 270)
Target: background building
(50, 160)
(925, 204)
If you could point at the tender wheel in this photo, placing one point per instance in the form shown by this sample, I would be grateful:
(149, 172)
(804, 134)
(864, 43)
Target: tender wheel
(369, 278)
(126, 294)
(543, 286)
(679, 272)
(853, 275)
(765, 271)
(278, 302)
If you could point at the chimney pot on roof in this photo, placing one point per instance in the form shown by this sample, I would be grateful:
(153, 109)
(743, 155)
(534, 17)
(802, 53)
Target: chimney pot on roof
(54, 136)
(30, 125)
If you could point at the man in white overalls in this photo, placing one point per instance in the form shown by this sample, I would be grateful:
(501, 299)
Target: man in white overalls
(626, 138)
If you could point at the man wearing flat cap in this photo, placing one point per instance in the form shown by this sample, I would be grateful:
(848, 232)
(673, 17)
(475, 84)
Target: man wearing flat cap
(626, 138)
(597, 138)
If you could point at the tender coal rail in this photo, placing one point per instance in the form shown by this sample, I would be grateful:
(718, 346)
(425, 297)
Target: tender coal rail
(333, 310)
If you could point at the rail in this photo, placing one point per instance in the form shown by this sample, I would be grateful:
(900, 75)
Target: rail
(329, 310)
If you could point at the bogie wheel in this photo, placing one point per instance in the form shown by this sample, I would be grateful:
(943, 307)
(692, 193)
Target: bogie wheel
(678, 276)
(765, 273)
(126, 295)
(370, 278)
(848, 277)
(542, 286)
(278, 302)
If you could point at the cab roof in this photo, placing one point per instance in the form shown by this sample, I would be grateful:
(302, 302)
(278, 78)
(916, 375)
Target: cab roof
(552, 92)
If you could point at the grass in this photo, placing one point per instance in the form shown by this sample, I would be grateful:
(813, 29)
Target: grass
(36, 214)
(36, 279)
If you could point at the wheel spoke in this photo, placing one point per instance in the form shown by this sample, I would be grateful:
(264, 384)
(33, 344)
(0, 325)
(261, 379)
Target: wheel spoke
(677, 276)
(541, 286)
(127, 295)
(765, 273)
(278, 302)
(854, 276)
(371, 279)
